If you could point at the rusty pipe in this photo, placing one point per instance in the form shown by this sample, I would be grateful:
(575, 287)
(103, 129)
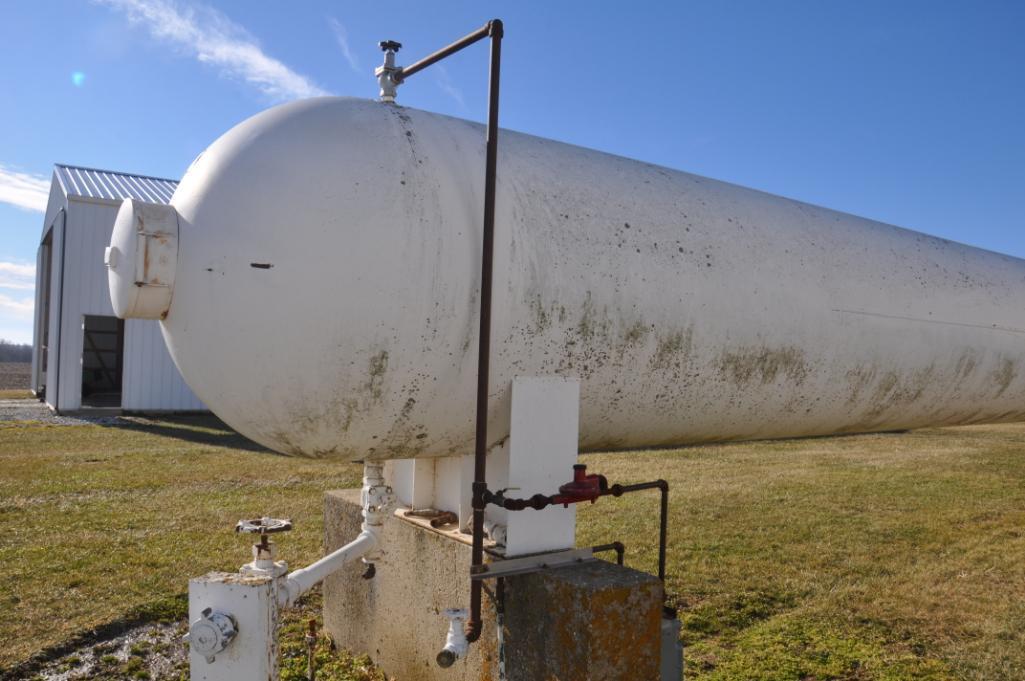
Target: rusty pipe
(480, 452)
(663, 487)
(540, 501)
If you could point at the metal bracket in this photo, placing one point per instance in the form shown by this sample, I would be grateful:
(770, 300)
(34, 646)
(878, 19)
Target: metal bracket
(520, 566)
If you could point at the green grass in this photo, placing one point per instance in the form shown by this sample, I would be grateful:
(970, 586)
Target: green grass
(879, 557)
(869, 557)
(103, 523)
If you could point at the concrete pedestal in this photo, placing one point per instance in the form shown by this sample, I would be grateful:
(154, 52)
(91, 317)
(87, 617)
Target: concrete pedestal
(592, 622)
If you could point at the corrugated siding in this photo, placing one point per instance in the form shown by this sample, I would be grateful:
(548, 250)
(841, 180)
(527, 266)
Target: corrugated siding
(104, 184)
(85, 288)
(151, 381)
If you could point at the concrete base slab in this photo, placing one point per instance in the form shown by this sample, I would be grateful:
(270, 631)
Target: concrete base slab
(591, 622)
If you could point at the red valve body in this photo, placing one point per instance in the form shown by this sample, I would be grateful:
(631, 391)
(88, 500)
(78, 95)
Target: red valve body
(583, 487)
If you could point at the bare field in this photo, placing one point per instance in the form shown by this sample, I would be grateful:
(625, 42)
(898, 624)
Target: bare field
(861, 558)
(15, 375)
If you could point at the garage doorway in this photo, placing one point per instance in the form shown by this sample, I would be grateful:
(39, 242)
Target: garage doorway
(103, 341)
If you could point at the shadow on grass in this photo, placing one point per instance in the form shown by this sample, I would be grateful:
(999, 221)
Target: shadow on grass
(167, 610)
(203, 429)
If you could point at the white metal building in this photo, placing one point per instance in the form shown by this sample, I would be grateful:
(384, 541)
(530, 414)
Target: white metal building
(83, 356)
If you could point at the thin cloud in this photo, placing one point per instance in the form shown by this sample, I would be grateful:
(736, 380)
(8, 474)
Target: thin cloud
(447, 86)
(17, 308)
(342, 38)
(24, 190)
(212, 38)
(17, 276)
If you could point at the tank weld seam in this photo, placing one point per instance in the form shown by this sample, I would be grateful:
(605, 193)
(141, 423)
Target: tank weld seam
(990, 327)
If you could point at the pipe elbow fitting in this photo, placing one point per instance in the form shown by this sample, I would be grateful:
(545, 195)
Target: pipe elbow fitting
(456, 644)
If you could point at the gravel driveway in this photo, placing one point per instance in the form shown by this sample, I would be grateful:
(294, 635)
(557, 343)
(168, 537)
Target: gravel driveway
(32, 411)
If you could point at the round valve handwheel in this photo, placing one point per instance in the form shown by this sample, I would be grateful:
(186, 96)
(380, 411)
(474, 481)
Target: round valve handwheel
(264, 525)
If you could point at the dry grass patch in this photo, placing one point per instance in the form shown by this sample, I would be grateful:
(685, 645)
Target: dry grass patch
(15, 394)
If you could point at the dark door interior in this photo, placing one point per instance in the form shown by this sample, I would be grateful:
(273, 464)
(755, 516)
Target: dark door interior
(102, 359)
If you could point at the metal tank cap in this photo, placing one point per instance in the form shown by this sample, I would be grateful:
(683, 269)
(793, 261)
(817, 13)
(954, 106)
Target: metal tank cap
(141, 260)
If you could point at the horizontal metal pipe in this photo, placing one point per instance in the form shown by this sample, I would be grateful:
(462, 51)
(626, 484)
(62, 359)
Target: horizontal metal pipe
(616, 546)
(299, 582)
(466, 41)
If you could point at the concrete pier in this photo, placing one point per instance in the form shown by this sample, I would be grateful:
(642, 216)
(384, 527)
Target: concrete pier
(595, 621)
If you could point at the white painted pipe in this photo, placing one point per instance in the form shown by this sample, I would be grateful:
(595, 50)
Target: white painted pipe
(300, 581)
(325, 295)
(456, 644)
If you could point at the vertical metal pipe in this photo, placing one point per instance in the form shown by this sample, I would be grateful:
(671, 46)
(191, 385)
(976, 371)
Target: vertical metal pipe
(663, 521)
(480, 452)
(500, 627)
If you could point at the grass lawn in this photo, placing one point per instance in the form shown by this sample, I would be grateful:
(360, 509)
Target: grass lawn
(15, 394)
(870, 557)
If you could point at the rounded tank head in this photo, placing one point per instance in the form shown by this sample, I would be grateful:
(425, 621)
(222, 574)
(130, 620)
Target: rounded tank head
(325, 258)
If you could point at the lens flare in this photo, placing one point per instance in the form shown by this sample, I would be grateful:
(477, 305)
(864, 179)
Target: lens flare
(78, 79)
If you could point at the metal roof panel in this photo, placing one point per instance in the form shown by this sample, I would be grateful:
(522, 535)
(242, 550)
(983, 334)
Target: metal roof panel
(113, 186)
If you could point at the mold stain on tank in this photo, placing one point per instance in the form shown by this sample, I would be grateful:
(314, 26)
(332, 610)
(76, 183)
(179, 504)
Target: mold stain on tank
(540, 316)
(336, 416)
(966, 364)
(858, 380)
(635, 333)
(406, 439)
(378, 367)
(592, 323)
(764, 365)
(896, 392)
(672, 348)
(1004, 375)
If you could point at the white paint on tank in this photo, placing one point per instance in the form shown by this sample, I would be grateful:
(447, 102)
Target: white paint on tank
(325, 299)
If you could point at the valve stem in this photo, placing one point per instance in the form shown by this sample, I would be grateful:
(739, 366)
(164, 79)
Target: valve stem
(311, 650)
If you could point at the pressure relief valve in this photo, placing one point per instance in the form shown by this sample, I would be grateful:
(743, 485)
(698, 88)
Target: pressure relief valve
(385, 71)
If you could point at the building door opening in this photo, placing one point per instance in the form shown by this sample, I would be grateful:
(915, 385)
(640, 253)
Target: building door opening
(45, 265)
(103, 341)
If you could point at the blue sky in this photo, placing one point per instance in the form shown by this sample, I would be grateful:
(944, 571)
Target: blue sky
(909, 112)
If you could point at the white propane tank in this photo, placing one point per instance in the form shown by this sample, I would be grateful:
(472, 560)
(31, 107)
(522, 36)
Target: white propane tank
(325, 297)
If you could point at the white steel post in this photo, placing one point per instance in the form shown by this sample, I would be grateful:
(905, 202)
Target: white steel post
(234, 632)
